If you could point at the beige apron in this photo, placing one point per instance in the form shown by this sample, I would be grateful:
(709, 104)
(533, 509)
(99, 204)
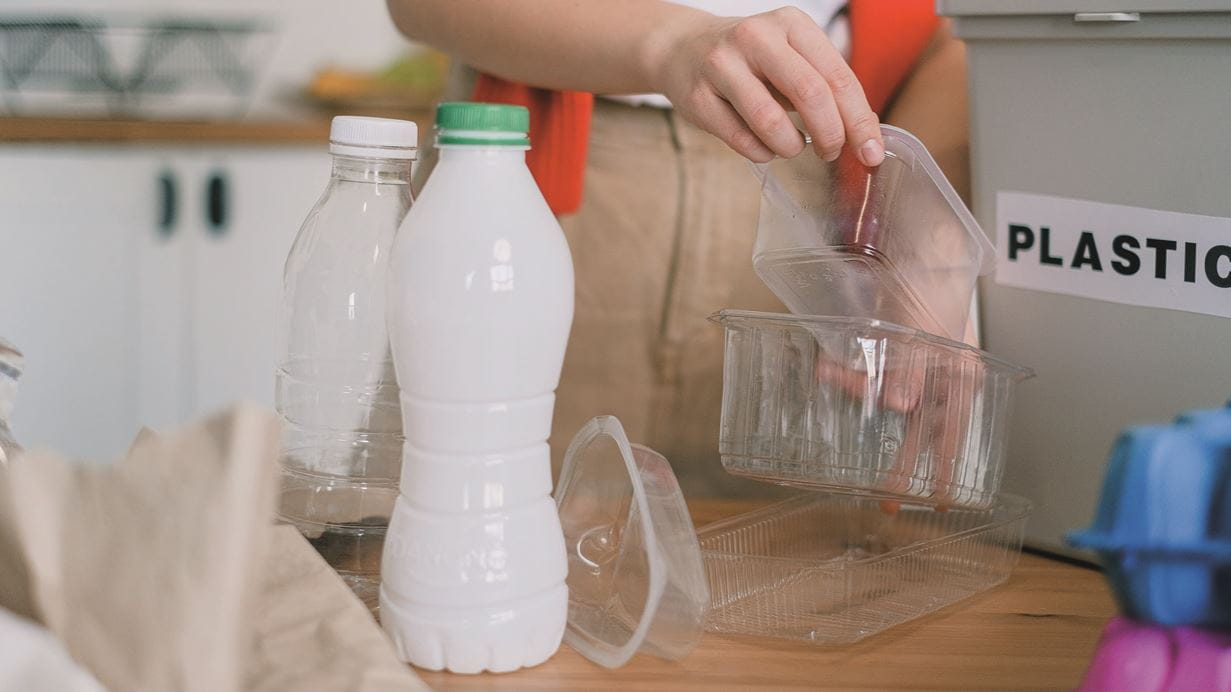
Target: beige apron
(662, 240)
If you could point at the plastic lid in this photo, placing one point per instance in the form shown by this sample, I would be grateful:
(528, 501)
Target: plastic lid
(898, 142)
(353, 135)
(894, 242)
(635, 578)
(483, 124)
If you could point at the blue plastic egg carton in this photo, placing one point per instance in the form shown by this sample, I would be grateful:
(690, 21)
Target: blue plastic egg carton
(1163, 526)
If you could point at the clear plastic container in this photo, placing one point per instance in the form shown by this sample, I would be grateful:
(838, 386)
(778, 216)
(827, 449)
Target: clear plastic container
(893, 243)
(821, 567)
(336, 387)
(10, 373)
(833, 568)
(635, 576)
(859, 405)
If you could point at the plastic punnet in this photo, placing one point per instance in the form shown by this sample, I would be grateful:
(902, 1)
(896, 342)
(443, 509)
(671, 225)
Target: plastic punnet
(635, 577)
(893, 243)
(858, 405)
(821, 567)
(832, 568)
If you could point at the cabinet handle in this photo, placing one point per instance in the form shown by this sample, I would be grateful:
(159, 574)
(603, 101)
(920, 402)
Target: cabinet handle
(1107, 17)
(216, 204)
(169, 204)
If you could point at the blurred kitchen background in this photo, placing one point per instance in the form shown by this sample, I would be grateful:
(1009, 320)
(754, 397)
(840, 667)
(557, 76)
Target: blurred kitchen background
(156, 161)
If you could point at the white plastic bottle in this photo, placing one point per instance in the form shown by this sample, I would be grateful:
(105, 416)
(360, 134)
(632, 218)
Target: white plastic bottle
(480, 306)
(336, 390)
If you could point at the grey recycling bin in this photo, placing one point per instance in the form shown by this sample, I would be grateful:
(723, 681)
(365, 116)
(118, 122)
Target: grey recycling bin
(1125, 310)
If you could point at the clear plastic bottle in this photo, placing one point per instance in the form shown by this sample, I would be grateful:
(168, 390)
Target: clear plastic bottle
(336, 387)
(481, 301)
(10, 372)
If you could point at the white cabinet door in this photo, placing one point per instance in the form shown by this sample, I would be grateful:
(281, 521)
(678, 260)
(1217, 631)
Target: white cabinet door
(164, 307)
(89, 291)
(143, 283)
(253, 202)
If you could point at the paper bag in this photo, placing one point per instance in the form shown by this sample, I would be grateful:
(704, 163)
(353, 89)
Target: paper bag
(144, 569)
(163, 572)
(313, 634)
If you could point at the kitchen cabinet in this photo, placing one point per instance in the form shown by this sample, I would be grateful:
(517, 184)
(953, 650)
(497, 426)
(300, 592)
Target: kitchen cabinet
(142, 282)
(237, 265)
(70, 275)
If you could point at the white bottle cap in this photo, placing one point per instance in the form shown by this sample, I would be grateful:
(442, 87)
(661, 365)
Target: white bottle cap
(353, 135)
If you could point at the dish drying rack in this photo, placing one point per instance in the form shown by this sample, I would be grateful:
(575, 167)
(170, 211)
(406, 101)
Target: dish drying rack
(127, 66)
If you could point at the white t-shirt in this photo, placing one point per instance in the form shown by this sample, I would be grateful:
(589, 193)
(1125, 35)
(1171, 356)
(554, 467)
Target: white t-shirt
(826, 13)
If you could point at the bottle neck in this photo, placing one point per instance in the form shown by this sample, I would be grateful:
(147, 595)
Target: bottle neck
(494, 154)
(363, 169)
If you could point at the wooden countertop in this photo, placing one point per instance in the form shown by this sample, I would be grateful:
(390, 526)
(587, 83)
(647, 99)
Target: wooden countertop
(308, 130)
(1037, 631)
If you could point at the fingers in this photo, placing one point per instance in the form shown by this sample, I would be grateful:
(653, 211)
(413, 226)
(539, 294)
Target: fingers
(755, 103)
(810, 95)
(931, 460)
(900, 392)
(853, 383)
(717, 117)
(953, 470)
(757, 63)
(862, 127)
(904, 387)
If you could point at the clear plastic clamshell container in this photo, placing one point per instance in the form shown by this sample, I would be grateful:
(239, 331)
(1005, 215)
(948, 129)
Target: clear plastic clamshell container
(635, 579)
(858, 405)
(834, 568)
(819, 567)
(893, 243)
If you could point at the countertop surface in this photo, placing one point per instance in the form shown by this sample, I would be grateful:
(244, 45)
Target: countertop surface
(1037, 631)
(288, 131)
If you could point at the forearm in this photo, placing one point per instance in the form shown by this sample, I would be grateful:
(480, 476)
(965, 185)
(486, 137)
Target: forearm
(726, 75)
(603, 46)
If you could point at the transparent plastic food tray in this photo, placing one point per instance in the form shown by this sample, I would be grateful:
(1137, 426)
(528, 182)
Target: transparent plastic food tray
(893, 242)
(837, 568)
(858, 405)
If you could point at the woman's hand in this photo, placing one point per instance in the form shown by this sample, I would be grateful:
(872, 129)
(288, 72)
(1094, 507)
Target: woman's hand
(736, 79)
(934, 404)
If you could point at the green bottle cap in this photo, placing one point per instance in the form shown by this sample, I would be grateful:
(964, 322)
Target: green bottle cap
(485, 124)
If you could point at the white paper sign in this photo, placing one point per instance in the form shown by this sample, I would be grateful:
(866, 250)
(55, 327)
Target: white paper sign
(1130, 255)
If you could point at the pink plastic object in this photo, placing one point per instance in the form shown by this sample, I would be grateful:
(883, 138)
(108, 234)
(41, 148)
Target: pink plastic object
(1138, 657)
